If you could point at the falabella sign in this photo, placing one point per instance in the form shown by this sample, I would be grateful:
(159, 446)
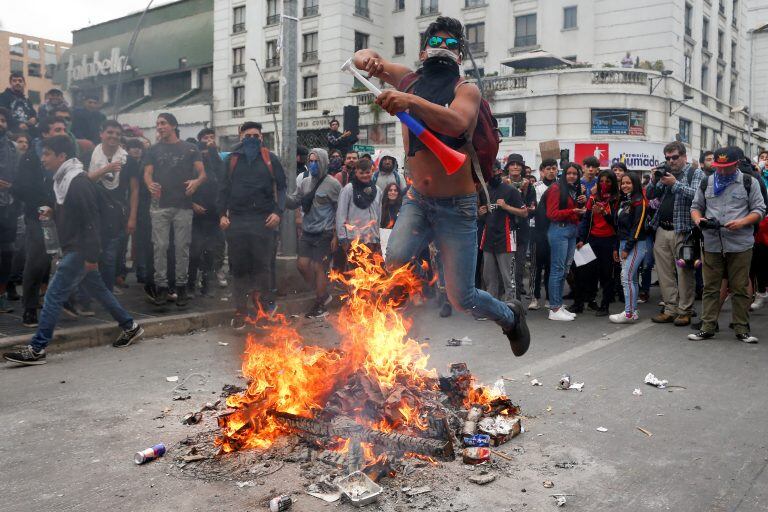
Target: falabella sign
(99, 66)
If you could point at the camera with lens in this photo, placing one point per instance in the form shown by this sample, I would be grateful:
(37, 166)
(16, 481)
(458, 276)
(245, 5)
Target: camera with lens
(661, 171)
(710, 224)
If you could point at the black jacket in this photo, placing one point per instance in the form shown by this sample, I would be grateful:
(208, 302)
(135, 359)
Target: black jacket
(77, 220)
(86, 124)
(247, 187)
(20, 106)
(630, 221)
(33, 186)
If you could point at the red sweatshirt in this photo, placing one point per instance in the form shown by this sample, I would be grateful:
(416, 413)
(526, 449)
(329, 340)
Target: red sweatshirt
(554, 213)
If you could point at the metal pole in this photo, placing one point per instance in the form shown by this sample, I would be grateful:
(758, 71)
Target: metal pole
(274, 116)
(129, 53)
(751, 34)
(289, 98)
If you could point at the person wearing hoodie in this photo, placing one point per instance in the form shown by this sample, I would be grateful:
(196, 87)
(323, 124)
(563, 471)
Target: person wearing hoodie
(251, 203)
(388, 174)
(9, 208)
(318, 197)
(359, 211)
(630, 228)
(77, 215)
(22, 112)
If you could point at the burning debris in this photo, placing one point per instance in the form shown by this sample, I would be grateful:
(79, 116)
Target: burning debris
(370, 408)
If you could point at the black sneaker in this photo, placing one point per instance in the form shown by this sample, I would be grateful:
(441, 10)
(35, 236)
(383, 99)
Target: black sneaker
(575, 308)
(161, 296)
(127, 336)
(69, 309)
(12, 294)
(26, 356)
(150, 293)
(746, 338)
(182, 298)
(30, 318)
(317, 311)
(519, 336)
(593, 306)
(601, 312)
(701, 335)
(446, 310)
(237, 322)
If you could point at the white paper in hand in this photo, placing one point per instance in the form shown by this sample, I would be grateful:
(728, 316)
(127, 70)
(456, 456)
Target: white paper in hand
(584, 255)
(384, 239)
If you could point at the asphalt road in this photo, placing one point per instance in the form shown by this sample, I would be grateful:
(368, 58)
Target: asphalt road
(70, 428)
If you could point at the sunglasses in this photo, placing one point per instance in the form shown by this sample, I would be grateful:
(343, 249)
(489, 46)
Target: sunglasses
(673, 158)
(450, 42)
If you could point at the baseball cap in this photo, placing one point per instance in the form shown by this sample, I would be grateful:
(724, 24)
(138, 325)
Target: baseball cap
(728, 156)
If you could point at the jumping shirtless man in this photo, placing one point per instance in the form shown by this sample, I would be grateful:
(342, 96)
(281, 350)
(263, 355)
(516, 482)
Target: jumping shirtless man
(440, 207)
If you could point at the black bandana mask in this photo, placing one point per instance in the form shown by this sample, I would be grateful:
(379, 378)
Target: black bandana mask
(363, 194)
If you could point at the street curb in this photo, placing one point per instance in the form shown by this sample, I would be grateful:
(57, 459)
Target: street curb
(73, 338)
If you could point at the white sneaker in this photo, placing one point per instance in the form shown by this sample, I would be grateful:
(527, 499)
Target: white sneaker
(534, 305)
(623, 318)
(560, 315)
(569, 313)
(546, 305)
(759, 301)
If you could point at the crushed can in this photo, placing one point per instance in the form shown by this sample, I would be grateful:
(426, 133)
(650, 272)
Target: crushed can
(280, 503)
(149, 454)
(565, 381)
(476, 455)
(477, 440)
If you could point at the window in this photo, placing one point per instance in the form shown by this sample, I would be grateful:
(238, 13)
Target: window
(618, 122)
(731, 140)
(16, 45)
(311, 7)
(310, 47)
(399, 45)
(361, 8)
(476, 37)
(689, 20)
(238, 65)
(735, 13)
(719, 86)
(34, 97)
(732, 99)
(361, 41)
(273, 58)
(50, 54)
(734, 47)
(399, 5)
(310, 87)
(33, 49)
(513, 125)
(475, 3)
(273, 18)
(238, 19)
(569, 17)
(50, 69)
(273, 92)
(238, 96)
(685, 131)
(17, 65)
(525, 30)
(721, 7)
(687, 70)
(428, 7)
(704, 138)
(33, 69)
(720, 45)
(705, 33)
(705, 77)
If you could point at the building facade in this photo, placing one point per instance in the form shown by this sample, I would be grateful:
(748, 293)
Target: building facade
(35, 57)
(170, 69)
(638, 73)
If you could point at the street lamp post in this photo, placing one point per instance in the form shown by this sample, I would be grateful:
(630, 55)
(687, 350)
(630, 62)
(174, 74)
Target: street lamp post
(288, 109)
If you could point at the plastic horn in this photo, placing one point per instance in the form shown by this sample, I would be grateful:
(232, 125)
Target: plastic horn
(450, 159)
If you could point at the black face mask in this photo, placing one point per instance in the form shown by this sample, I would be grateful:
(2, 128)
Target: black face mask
(495, 181)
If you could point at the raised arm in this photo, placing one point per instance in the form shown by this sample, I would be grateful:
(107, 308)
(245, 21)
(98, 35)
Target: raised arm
(371, 62)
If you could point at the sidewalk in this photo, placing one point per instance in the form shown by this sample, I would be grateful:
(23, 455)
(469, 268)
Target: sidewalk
(201, 312)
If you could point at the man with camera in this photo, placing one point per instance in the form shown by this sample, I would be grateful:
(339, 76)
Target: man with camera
(675, 184)
(725, 208)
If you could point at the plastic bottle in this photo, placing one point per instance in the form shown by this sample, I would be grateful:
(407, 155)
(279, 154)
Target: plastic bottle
(50, 235)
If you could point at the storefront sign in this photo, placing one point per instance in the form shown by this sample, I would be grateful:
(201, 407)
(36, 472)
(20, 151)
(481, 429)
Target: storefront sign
(635, 155)
(97, 67)
(618, 122)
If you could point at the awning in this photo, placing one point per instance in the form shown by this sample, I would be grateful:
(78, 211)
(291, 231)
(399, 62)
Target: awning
(537, 59)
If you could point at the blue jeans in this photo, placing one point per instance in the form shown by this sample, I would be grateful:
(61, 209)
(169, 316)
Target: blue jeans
(69, 274)
(452, 224)
(562, 245)
(629, 273)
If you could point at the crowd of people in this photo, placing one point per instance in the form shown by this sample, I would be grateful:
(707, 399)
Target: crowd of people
(79, 192)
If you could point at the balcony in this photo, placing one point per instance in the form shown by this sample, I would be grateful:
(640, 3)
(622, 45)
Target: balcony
(237, 28)
(311, 10)
(619, 77)
(428, 10)
(273, 108)
(238, 112)
(273, 19)
(238, 68)
(505, 83)
(274, 62)
(309, 105)
(365, 99)
(309, 56)
(361, 10)
(525, 41)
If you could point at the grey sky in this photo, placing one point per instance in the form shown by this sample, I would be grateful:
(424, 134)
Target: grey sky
(56, 19)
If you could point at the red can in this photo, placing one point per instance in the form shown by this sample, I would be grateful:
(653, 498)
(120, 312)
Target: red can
(476, 455)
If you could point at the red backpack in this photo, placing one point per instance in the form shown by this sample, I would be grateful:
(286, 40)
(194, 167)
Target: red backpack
(485, 140)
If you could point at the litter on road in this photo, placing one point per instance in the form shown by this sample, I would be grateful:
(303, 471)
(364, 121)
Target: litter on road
(637, 392)
(535, 382)
(644, 431)
(174, 378)
(652, 380)
(601, 429)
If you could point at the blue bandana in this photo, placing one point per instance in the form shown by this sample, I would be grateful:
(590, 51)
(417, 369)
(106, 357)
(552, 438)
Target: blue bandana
(251, 148)
(722, 181)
